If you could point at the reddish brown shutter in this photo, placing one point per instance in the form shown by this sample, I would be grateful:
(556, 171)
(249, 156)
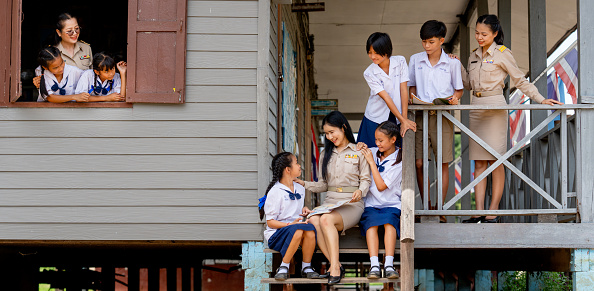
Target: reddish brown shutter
(5, 36)
(15, 53)
(156, 51)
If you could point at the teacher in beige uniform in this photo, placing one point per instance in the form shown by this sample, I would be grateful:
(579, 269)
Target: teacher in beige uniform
(488, 66)
(345, 175)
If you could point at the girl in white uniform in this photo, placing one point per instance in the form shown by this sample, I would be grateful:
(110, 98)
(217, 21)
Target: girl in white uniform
(382, 204)
(102, 82)
(283, 206)
(58, 80)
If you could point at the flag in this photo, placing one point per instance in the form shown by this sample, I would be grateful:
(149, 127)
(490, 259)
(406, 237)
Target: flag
(567, 68)
(315, 156)
(517, 118)
(457, 171)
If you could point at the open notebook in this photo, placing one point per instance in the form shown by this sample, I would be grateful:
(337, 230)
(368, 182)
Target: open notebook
(436, 101)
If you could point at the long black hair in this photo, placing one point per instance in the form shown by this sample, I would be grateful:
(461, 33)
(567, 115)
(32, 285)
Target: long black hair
(335, 119)
(279, 163)
(60, 25)
(46, 56)
(493, 22)
(390, 129)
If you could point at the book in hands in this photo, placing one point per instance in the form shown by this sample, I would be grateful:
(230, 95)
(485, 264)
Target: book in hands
(437, 101)
(326, 208)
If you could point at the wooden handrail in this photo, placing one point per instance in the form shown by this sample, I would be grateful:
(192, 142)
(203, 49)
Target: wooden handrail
(502, 107)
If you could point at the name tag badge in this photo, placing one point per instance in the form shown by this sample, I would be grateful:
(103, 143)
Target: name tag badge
(85, 57)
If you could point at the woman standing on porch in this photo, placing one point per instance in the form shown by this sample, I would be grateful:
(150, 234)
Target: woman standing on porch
(345, 176)
(488, 66)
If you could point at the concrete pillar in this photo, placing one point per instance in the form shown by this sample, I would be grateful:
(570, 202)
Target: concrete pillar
(257, 265)
(465, 50)
(504, 15)
(483, 280)
(582, 266)
(482, 7)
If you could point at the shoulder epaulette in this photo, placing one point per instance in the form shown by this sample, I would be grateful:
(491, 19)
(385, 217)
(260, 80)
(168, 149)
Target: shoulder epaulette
(84, 42)
(474, 50)
(502, 48)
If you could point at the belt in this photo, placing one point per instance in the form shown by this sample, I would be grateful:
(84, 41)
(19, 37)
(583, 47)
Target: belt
(343, 189)
(487, 93)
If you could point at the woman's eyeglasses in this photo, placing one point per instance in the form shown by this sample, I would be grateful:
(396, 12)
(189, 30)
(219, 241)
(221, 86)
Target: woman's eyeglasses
(71, 32)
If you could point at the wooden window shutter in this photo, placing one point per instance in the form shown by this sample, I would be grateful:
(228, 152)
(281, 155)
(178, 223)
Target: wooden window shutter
(15, 51)
(156, 51)
(5, 43)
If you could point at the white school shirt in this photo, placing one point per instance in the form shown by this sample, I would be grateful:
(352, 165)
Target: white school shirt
(377, 110)
(392, 176)
(439, 81)
(70, 78)
(86, 81)
(280, 207)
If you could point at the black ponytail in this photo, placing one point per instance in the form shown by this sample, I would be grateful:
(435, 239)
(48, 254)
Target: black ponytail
(335, 119)
(45, 56)
(390, 129)
(279, 163)
(103, 62)
(60, 25)
(493, 22)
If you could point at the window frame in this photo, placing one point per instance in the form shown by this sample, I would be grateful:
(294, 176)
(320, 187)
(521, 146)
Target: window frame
(10, 66)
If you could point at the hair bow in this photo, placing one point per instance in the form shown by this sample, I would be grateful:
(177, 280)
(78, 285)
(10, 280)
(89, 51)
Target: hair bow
(380, 167)
(292, 195)
(60, 90)
(261, 202)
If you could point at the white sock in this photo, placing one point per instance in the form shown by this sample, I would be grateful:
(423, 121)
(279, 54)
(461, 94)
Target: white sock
(374, 261)
(304, 264)
(283, 264)
(389, 261)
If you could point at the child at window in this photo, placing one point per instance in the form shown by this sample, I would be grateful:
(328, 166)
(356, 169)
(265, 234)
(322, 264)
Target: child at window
(58, 80)
(283, 206)
(388, 98)
(382, 204)
(102, 82)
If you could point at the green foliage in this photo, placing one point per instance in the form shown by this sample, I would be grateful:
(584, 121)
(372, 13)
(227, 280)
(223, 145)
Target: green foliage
(549, 281)
(514, 281)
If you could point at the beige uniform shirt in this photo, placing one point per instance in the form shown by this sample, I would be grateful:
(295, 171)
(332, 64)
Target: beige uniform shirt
(489, 73)
(345, 169)
(82, 58)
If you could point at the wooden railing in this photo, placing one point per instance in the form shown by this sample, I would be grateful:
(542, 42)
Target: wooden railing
(557, 204)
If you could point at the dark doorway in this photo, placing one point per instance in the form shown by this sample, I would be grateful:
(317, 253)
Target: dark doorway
(104, 25)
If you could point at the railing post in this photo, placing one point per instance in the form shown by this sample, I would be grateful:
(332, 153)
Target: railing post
(426, 187)
(439, 161)
(407, 217)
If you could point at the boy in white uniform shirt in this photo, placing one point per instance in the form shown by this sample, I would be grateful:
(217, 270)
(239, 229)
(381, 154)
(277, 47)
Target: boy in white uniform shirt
(434, 75)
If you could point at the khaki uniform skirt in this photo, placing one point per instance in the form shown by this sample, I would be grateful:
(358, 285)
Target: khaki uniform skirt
(350, 212)
(490, 125)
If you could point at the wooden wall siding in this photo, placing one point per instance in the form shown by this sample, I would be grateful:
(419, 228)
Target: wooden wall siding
(151, 172)
(273, 81)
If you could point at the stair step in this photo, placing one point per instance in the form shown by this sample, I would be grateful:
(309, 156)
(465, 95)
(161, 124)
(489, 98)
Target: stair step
(342, 251)
(347, 280)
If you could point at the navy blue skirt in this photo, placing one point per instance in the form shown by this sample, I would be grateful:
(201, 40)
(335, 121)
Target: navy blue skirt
(379, 216)
(281, 239)
(367, 129)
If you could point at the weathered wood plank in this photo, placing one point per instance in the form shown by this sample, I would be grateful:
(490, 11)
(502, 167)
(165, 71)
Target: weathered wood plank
(128, 163)
(208, 25)
(221, 60)
(129, 180)
(503, 235)
(144, 112)
(92, 214)
(127, 197)
(346, 280)
(222, 43)
(128, 129)
(130, 146)
(220, 94)
(503, 212)
(502, 107)
(127, 231)
(223, 8)
(229, 77)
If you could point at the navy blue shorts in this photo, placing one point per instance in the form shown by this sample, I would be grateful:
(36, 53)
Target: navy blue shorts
(379, 216)
(281, 239)
(367, 129)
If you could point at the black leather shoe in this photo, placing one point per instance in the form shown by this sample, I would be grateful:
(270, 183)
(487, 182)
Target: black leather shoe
(325, 275)
(342, 271)
(374, 273)
(494, 220)
(310, 275)
(474, 219)
(390, 272)
(333, 280)
(281, 276)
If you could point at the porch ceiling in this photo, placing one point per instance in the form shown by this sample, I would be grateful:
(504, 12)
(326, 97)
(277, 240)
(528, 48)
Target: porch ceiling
(342, 30)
